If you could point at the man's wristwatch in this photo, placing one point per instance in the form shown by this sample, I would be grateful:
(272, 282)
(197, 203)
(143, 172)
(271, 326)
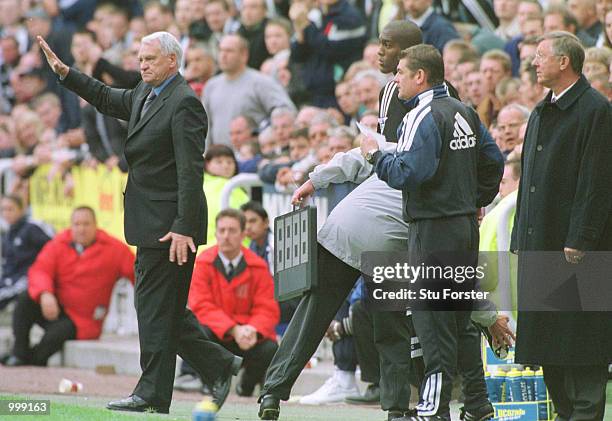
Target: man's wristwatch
(371, 155)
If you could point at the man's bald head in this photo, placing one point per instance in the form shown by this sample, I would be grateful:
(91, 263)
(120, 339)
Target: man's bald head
(405, 33)
(396, 36)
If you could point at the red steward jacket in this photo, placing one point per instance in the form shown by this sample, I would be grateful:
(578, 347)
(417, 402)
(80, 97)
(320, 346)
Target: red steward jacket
(82, 283)
(247, 299)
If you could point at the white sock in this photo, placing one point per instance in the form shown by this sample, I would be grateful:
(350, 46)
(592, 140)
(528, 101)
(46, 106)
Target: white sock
(345, 378)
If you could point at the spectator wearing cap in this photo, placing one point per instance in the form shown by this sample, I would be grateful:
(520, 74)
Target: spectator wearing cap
(239, 90)
(252, 28)
(437, 30)
(326, 50)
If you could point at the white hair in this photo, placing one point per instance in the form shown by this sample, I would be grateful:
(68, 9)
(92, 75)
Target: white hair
(167, 43)
(281, 111)
(371, 74)
(524, 111)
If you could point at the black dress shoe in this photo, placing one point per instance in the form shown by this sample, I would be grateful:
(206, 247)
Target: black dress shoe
(221, 387)
(135, 403)
(269, 409)
(13, 361)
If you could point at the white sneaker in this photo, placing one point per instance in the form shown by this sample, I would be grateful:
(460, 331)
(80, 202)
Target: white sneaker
(331, 391)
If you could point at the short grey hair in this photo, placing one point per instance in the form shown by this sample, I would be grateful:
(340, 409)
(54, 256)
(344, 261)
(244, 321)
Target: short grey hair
(521, 109)
(167, 43)
(568, 45)
(324, 117)
(281, 111)
(371, 74)
(343, 132)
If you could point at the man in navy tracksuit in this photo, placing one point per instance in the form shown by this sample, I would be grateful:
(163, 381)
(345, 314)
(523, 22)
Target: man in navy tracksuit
(447, 166)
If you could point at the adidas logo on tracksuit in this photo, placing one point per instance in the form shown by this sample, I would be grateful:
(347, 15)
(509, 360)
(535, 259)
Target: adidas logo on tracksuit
(463, 136)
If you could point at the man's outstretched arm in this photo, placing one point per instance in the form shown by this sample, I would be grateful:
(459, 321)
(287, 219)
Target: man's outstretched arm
(114, 102)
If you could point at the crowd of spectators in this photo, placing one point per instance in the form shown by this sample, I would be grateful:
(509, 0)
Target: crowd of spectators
(283, 82)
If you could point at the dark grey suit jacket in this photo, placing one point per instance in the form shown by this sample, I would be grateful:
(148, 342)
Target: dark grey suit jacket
(164, 151)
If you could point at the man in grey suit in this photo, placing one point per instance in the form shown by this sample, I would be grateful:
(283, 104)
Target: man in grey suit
(165, 216)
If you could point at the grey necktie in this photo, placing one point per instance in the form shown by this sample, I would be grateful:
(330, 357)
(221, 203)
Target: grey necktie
(230, 271)
(148, 103)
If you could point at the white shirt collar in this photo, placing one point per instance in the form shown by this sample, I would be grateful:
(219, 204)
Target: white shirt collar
(555, 98)
(227, 261)
(420, 21)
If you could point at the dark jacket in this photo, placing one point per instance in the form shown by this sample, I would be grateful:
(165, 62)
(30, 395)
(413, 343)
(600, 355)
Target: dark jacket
(565, 200)
(437, 31)
(327, 52)
(105, 136)
(20, 246)
(446, 163)
(258, 52)
(164, 153)
(392, 110)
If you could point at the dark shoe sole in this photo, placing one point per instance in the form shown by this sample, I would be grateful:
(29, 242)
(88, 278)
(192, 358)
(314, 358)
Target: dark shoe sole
(150, 409)
(269, 414)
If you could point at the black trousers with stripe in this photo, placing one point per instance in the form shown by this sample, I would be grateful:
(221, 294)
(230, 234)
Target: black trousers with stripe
(448, 340)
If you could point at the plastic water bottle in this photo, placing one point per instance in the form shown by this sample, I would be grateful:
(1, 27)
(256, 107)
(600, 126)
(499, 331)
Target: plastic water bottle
(527, 385)
(205, 411)
(540, 394)
(492, 390)
(513, 386)
(499, 382)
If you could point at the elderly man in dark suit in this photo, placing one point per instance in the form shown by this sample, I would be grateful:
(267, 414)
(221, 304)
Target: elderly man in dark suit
(165, 216)
(565, 205)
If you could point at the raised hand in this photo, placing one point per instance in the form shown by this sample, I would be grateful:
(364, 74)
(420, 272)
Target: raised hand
(55, 63)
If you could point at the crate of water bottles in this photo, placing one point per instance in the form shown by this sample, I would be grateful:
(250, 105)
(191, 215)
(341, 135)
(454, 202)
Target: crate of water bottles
(517, 392)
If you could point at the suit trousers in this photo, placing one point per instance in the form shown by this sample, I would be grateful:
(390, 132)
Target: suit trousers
(256, 359)
(578, 392)
(27, 313)
(167, 328)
